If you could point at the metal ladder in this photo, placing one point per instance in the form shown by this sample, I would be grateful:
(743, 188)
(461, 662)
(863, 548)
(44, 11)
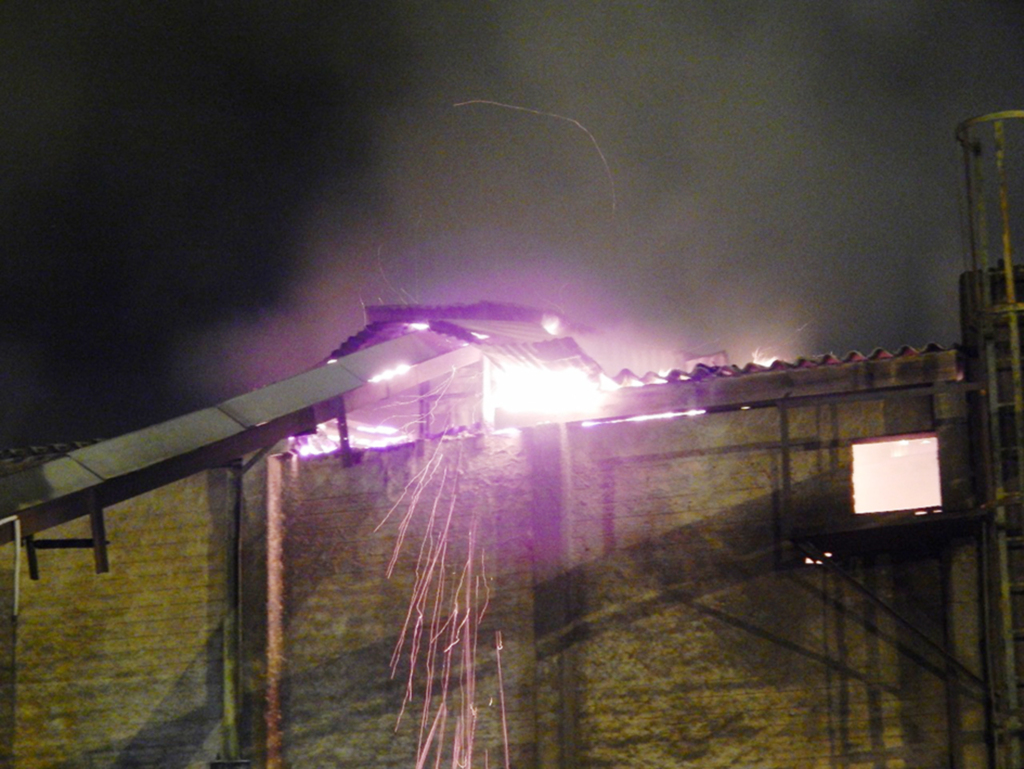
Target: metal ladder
(1006, 420)
(998, 316)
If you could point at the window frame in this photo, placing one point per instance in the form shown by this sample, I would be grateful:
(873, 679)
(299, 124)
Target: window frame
(934, 481)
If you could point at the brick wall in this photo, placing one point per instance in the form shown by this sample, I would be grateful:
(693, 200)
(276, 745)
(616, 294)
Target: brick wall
(342, 616)
(123, 669)
(649, 612)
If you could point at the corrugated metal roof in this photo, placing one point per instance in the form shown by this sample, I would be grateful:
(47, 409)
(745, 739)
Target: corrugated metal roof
(51, 488)
(401, 347)
(555, 354)
(484, 323)
(703, 372)
(16, 460)
(490, 311)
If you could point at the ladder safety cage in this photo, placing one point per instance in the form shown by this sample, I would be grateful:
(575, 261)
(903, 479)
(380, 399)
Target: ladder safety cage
(996, 287)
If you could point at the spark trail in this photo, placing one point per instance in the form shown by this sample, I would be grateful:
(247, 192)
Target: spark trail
(578, 124)
(439, 637)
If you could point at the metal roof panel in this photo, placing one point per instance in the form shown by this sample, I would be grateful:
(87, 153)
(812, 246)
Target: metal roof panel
(372, 362)
(56, 478)
(290, 395)
(150, 445)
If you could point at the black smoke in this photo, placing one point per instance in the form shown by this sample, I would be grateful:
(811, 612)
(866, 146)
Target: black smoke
(197, 198)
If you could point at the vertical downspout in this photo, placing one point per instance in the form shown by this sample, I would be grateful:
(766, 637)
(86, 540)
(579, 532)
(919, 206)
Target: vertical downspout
(8, 711)
(232, 690)
(16, 522)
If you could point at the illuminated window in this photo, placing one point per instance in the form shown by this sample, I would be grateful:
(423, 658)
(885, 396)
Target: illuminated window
(900, 473)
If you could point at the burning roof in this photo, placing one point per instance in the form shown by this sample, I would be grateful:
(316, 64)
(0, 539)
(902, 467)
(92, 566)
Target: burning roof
(405, 350)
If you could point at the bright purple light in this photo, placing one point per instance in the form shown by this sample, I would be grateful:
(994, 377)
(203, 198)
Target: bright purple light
(391, 373)
(536, 390)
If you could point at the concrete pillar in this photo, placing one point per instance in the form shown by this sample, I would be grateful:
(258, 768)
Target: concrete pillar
(557, 716)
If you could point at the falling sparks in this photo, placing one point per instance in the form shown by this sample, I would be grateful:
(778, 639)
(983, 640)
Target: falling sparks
(498, 646)
(437, 643)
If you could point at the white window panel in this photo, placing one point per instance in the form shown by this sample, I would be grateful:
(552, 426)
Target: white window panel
(899, 473)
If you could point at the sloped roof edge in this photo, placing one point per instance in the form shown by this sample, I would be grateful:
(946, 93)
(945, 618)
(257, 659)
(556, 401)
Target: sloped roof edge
(113, 470)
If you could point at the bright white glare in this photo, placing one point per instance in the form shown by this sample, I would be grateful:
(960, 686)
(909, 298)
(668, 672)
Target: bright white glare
(551, 324)
(537, 390)
(645, 417)
(609, 385)
(479, 336)
(391, 373)
(898, 474)
(365, 436)
(762, 358)
(510, 432)
(325, 440)
(358, 442)
(419, 326)
(378, 430)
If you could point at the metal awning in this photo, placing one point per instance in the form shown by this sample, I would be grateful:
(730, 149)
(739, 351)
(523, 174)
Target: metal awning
(111, 471)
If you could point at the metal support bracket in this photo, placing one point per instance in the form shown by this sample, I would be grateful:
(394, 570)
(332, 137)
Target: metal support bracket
(823, 560)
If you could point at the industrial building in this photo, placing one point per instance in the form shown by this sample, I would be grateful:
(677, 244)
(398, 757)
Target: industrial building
(459, 541)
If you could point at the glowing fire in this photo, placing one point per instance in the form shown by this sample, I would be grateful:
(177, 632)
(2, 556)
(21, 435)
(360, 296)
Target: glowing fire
(762, 357)
(327, 438)
(391, 373)
(536, 390)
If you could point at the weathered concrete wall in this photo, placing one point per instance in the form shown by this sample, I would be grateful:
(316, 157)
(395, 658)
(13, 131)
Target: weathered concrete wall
(342, 615)
(124, 669)
(649, 613)
(684, 642)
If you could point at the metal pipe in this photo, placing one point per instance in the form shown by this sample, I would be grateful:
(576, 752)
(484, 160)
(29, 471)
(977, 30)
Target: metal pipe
(1004, 211)
(17, 558)
(233, 620)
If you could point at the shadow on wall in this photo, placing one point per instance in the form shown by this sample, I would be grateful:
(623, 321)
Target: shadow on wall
(28, 484)
(729, 652)
(161, 742)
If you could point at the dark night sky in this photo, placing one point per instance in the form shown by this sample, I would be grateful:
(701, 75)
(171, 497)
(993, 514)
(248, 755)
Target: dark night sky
(198, 198)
